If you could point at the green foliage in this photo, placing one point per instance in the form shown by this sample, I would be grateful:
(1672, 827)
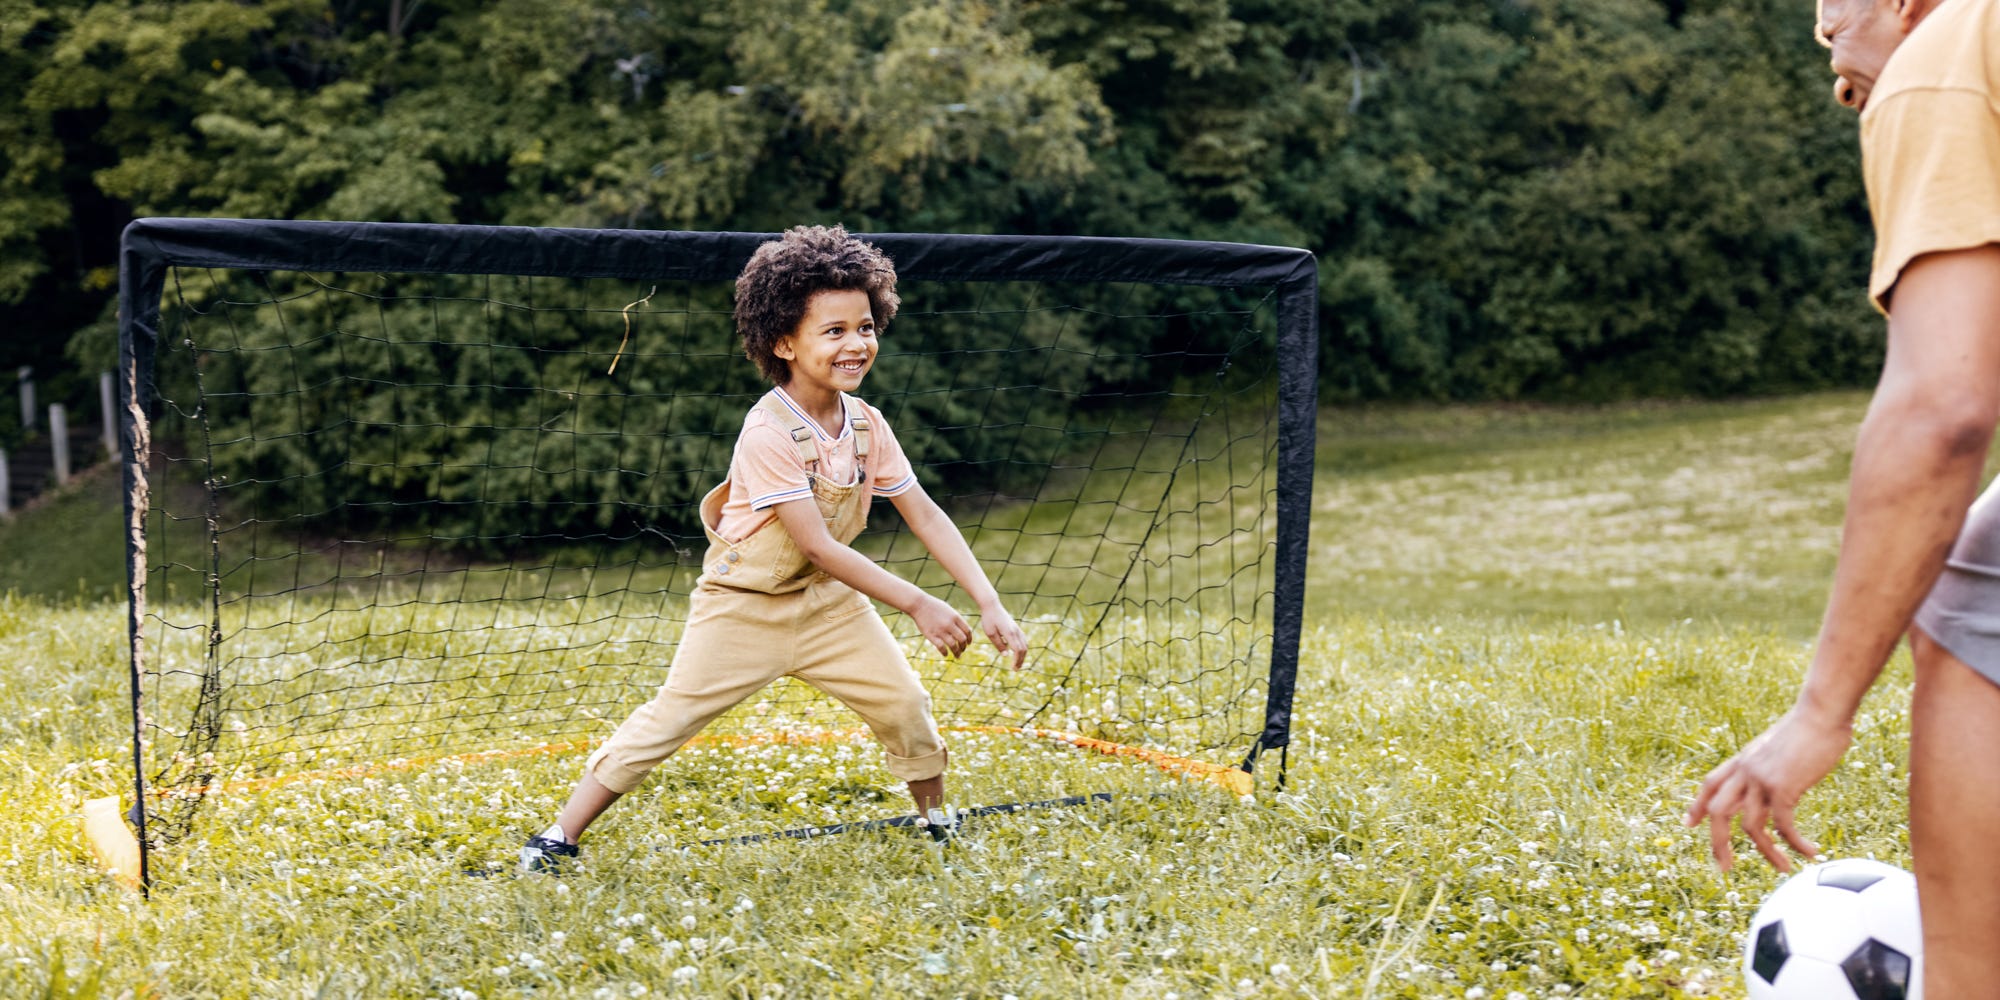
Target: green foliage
(488, 410)
(1566, 199)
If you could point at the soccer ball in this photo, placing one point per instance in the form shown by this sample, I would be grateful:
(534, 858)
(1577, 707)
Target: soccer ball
(1834, 931)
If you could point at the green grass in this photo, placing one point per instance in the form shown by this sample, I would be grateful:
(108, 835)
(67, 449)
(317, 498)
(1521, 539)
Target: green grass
(1530, 631)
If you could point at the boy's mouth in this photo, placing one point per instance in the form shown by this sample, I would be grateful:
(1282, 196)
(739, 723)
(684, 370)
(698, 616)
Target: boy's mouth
(852, 366)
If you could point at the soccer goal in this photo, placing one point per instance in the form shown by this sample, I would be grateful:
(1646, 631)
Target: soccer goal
(400, 493)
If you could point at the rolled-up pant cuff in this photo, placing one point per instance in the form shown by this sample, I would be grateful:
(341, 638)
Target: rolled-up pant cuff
(614, 776)
(917, 768)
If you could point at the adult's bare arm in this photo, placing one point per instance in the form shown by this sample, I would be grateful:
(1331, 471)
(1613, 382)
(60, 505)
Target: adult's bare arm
(1917, 464)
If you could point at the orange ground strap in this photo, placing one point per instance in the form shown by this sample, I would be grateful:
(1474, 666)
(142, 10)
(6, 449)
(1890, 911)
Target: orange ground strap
(1235, 780)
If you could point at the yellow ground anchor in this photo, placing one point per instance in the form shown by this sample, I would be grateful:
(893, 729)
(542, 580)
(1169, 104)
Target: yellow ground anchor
(111, 841)
(1236, 780)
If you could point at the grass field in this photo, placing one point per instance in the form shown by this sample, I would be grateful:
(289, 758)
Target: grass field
(1530, 631)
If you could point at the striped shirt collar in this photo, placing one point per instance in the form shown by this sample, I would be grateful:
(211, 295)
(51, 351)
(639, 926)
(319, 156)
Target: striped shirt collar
(846, 426)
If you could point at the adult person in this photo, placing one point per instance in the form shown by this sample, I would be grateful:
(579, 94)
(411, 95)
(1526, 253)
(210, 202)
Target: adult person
(1918, 555)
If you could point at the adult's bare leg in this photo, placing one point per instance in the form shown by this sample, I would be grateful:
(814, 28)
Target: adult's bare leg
(1954, 813)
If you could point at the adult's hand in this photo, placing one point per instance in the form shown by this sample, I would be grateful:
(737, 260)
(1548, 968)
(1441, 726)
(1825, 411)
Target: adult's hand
(1762, 784)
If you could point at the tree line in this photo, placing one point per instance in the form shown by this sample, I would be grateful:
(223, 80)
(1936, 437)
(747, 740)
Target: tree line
(1510, 199)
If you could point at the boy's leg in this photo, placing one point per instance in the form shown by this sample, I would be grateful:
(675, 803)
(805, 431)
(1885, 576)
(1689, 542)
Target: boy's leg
(928, 793)
(587, 801)
(853, 657)
(1954, 812)
(734, 646)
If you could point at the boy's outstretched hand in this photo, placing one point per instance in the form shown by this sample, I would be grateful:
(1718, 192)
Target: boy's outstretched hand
(1005, 636)
(943, 626)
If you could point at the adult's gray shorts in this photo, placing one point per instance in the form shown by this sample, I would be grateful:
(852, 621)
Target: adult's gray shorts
(1963, 611)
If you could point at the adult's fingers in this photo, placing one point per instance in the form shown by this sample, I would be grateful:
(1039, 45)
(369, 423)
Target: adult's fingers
(1756, 820)
(1718, 841)
(1705, 796)
(1722, 802)
(1788, 827)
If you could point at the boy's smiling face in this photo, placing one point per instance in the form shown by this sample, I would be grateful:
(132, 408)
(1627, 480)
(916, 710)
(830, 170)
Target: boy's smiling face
(834, 345)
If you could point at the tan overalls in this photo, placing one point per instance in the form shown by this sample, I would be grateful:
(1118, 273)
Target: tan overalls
(761, 611)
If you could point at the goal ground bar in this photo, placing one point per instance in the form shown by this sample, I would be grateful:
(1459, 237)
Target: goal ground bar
(909, 819)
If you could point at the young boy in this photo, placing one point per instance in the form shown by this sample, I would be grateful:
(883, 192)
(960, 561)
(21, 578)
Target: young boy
(781, 593)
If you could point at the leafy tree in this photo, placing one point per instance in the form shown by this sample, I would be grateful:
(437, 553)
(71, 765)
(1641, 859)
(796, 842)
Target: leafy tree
(1558, 199)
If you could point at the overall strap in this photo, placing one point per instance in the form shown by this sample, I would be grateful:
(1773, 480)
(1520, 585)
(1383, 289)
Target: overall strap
(857, 418)
(802, 435)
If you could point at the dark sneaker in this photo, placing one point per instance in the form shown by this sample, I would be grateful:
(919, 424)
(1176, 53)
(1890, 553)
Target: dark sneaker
(941, 823)
(544, 855)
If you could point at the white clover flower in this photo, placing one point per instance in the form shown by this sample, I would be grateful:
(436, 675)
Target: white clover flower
(1475, 993)
(624, 945)
(684, 975)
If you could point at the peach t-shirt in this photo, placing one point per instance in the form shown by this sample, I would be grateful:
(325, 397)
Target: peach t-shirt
(1930, 142)
(766, 471)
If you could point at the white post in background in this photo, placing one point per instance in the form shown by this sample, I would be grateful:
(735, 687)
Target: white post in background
(6, 486)
(26, 376)
(107, 398)
(59, 437)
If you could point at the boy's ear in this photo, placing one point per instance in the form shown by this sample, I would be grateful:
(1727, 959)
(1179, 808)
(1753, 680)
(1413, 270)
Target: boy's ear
(783, 349)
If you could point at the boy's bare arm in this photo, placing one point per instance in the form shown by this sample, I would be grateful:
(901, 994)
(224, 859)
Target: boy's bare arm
(1917, 464)
(944, 627)
(933, 527)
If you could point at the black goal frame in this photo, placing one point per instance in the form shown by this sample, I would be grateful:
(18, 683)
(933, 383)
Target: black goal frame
(151, 247)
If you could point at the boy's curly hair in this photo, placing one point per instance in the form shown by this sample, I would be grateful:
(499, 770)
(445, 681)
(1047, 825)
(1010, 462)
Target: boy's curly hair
(772, 291)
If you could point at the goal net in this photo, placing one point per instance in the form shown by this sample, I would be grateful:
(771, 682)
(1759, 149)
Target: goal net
(398, 492)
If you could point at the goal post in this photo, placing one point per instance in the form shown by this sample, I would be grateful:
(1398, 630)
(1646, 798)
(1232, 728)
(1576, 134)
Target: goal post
(1162, 395)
